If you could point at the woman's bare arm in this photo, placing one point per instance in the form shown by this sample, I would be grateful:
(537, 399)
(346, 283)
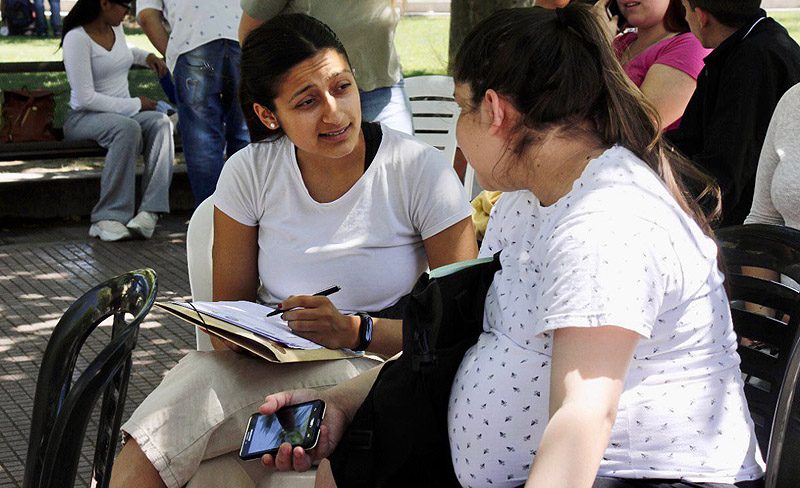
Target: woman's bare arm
(669, 90)
(455, 243)
(587, 377)
(235, 263)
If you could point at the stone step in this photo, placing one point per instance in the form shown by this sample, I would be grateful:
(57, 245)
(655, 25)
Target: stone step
(30, 195)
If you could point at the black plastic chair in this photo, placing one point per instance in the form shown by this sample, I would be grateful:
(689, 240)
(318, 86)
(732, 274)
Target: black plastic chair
(62, 408)
(767, 336)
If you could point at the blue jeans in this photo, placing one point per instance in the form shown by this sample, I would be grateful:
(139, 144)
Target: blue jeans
(388, 105)
(55, 16)
(209, 117)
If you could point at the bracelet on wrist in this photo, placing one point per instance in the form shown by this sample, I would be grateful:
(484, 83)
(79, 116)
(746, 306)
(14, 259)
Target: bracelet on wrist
(364, 332)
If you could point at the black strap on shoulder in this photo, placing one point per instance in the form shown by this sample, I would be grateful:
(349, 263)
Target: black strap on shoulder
(372, 139)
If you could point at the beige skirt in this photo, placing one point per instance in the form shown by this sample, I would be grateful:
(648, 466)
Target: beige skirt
(201, 408)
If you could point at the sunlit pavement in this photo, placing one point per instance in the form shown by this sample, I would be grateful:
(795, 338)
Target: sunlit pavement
(43, 269)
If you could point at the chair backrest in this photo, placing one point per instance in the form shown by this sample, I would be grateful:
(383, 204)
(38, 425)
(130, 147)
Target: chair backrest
(784, 444)
(766, 312)
(434, 113)
(62, 408)
(199, 244)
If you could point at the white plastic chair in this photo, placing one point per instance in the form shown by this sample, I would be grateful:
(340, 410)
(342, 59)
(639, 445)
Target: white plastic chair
(199, 241)
(434, 115)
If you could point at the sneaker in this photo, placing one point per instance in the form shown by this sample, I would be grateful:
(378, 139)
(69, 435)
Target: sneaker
(109, 231)
(143, 225)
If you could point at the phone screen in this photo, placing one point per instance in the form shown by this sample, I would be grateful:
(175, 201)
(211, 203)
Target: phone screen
(298, 425)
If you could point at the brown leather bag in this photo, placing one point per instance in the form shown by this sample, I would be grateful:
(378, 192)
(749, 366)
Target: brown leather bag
(27, 116)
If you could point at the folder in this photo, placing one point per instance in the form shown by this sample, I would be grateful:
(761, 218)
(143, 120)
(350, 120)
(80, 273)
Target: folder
(246, 325)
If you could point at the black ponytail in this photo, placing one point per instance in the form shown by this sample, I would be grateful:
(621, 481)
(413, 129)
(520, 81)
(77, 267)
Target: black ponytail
(83, 12)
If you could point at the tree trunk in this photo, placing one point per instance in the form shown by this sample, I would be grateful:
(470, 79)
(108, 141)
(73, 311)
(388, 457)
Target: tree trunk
(465, 14)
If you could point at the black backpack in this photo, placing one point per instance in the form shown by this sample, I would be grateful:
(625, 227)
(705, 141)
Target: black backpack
(398, 437)
(19, 16)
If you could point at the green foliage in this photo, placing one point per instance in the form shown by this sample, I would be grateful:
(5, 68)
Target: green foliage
(790, 20)
(422, 45)
(22, 48)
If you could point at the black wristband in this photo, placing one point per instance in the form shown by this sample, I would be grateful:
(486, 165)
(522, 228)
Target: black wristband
(364, 332)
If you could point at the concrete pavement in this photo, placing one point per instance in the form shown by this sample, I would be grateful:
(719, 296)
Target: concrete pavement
(43, 269)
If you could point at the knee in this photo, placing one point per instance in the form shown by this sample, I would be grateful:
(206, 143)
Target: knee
(128, 130)
(163, 124)
(132, 467)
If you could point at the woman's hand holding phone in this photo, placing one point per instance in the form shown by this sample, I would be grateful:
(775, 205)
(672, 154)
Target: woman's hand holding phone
(331, 431)
(608, 13)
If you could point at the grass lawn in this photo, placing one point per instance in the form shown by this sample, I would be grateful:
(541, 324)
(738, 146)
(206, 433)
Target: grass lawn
(421, 43)
(790, 20)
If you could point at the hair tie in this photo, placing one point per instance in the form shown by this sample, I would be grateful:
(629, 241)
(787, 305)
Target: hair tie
(562, 19)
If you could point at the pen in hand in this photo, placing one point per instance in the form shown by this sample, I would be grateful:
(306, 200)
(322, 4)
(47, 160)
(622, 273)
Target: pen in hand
(323, 293)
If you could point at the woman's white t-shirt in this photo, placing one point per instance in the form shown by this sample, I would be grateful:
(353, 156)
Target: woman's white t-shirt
(616, 250)
(369, 241)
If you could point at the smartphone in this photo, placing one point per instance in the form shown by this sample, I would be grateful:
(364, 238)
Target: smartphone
(612, 9)
(296, 424)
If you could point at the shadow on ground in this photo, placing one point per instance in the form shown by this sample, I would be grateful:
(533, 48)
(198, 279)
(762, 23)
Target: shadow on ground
(43, 269)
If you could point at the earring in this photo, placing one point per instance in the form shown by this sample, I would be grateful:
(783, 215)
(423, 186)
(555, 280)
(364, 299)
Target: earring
(273, 125)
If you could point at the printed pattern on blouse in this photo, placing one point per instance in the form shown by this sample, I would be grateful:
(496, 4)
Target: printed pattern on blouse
(616, 250)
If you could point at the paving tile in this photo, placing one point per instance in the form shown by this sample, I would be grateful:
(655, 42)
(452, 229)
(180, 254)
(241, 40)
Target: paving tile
(42, 271)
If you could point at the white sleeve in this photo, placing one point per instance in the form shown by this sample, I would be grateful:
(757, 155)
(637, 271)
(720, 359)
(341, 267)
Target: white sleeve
(438, 198)
(601, 269)
(763, 211)
(77, 51)
(237, 192)
(139, 55)
(145, 4)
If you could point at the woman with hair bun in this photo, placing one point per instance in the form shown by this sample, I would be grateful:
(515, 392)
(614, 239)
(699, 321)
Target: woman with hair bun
(608, 356)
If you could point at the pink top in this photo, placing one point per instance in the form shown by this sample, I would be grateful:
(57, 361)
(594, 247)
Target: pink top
(682, 52)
